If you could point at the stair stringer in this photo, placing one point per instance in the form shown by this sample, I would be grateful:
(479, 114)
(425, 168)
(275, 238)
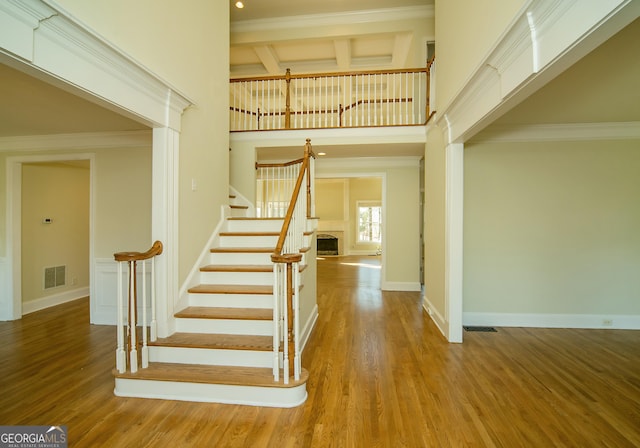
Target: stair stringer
(274, 394)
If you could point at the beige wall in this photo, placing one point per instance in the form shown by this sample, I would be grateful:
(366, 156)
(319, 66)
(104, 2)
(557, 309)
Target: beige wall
(189, 47)
(434, 221)
(59, 192)
(330, 199)
(465, 33)
(552, 228)
(123, 201)
(402, 192)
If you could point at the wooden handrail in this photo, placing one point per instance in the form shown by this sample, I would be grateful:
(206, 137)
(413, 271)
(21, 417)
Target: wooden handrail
(308, 153)
(156, 249)
(329, 74)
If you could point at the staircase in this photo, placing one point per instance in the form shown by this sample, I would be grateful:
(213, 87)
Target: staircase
(222, 350)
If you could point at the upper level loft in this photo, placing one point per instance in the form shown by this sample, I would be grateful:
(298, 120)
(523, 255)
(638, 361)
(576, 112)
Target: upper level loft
(375, 98)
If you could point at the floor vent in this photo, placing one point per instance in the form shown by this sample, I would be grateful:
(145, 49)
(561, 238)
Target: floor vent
(54, 276)
(481, 329)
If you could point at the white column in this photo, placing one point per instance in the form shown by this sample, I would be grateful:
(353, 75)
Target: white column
(164, 223)
(453, 240)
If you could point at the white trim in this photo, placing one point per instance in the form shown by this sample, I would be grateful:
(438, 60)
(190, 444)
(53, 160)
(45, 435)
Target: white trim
(5, 311)
(105, 289)
(454, 224)
(12, 296)
(53, 300)
(281, 397)
(308, 327)
(560, 132)
(329, 137)
(435, 316)
(330, 19)
(545, 38)
(401, 286)
(54, 46)
(590, 321)
(88, 140)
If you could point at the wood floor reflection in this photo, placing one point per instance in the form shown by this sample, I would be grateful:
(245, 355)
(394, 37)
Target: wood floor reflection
(381, 375)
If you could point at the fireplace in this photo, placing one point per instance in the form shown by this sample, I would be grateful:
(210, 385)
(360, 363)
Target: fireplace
(327, 244)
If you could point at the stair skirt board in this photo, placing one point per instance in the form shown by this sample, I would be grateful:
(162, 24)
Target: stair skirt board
(212, 357)
(225, 326)
(212, 393)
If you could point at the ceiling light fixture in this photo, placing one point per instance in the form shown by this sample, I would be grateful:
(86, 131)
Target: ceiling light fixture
(322, 153)
(239, 5)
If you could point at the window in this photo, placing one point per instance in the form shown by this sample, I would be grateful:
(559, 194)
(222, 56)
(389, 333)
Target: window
(369, 222)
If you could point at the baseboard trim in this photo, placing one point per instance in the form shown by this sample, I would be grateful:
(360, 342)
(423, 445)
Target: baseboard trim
(401, 286)
(305, 334)
(57, 299)
(588, 321)
(435, 316)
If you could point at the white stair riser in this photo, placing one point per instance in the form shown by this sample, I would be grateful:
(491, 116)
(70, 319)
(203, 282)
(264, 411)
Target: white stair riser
(240, 258)
(212, 393)
(238, 212)
(232, 300)
(236, 278)
(248, 241)
(224, 326)
(211, 357)
(254, 225)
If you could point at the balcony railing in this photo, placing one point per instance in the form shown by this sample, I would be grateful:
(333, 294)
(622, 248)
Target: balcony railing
(332, 100)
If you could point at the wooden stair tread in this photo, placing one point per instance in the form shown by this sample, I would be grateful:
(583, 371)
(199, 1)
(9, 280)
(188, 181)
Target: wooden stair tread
(232, 289)
(205, 312)
(216, 341)
(252, 218)
(249, 233)
(242, 207)
(205, 374)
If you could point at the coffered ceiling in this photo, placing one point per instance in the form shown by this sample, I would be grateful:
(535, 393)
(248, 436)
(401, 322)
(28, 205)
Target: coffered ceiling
(325, 36)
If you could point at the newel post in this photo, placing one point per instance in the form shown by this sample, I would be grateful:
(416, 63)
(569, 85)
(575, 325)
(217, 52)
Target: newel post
(289, 260)
(287, 111)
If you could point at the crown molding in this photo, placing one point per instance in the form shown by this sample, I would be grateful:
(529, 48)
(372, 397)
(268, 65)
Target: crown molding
(40, 37)
(559, 132)
(545, 38)
(342, 18)
(89, 140)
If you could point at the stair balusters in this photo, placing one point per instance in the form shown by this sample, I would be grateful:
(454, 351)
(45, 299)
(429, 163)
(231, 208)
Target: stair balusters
(127, 334)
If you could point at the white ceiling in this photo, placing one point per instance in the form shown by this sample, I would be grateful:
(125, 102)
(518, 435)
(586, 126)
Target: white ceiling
(315, 36)
(268, 9)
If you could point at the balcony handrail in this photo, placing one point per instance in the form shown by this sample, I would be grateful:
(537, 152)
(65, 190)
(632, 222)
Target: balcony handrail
(127, 333)
(393, 97)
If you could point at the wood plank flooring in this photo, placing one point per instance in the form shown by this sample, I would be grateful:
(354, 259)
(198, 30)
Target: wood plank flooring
(380, 375)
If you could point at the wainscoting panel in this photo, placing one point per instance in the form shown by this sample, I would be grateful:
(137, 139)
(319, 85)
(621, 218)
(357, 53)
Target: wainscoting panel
(103, 302)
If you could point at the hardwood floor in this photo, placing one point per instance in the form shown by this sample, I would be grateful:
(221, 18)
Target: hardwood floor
(381, 375)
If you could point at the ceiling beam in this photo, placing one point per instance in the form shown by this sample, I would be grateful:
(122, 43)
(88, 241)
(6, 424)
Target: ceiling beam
(401, 48)
(269, 59)
(343, 53)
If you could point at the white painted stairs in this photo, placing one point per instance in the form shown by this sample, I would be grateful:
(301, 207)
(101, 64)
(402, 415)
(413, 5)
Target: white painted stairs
(222, 350)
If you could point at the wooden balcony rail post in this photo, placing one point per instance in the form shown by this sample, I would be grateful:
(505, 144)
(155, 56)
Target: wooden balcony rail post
(132, 341)
(287, 110)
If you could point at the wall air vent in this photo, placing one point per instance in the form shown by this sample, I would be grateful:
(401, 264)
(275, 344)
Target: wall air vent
(54, 276)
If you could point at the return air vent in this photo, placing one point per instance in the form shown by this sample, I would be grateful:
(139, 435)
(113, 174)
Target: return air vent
(481, 329)
(54, 276)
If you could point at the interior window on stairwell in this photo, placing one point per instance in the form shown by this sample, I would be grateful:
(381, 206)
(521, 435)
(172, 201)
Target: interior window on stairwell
(369, 222)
